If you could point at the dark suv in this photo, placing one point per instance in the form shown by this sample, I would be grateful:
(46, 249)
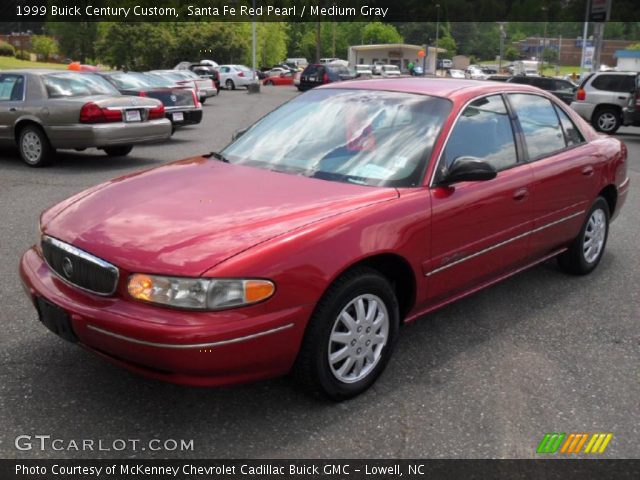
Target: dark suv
(318, 74)
(563, 89)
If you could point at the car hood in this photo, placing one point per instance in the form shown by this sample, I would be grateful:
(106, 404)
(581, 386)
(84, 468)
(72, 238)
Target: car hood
(186, 217)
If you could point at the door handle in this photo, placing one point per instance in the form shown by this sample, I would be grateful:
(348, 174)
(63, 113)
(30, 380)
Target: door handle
(13, 109)
(520, 194)
(587, 171)
(622, 98)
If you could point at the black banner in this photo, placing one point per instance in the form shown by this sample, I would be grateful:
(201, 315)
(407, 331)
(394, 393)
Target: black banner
(305, 10)
(547, 469)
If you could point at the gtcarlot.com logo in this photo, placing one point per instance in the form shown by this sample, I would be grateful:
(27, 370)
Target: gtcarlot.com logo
(574, 443)
(47, 442)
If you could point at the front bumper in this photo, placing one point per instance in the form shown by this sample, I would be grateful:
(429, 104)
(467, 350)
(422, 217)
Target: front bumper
(189, 117)
(191, 348)
(584, 109)
(108, 134)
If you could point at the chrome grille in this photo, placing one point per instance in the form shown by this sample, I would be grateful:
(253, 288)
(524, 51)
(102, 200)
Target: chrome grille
(78, 267)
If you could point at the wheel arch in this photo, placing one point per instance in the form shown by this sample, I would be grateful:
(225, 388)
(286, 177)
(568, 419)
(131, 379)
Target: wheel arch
(607, 106)
(23, 122)
(610, 194)
(398, 272)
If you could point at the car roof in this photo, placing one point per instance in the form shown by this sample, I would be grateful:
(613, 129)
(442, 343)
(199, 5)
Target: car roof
(451, 88)
(39, 71)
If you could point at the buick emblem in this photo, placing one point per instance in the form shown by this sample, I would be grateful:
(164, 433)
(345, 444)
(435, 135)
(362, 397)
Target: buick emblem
(173, 98)
(133, 101)
(67, 267)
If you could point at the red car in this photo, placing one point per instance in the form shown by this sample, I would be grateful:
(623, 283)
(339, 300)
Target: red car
(305, 244)
(281, 79)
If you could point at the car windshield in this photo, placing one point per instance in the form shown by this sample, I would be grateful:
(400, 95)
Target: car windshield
(126, 81)
(375, 138)
(72, 84)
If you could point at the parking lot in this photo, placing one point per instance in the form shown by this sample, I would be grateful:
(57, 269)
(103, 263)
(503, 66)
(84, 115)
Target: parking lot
(485, 377)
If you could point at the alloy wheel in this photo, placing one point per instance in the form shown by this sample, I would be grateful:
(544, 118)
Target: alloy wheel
(357, 338)
(594, 236)
(31, 146)
(607, 121)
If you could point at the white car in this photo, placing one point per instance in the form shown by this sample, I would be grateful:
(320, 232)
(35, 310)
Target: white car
(233, 76)
(475, 74)
(453, 73)
(364, 70)
(390, 71)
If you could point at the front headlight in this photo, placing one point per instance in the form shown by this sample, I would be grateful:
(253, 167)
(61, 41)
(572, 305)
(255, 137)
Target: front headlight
(199, 293)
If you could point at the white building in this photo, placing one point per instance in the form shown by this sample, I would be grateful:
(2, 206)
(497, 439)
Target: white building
(628, 60)
(399, 54)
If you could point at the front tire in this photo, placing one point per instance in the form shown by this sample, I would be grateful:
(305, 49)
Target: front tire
(607, 120)
(230, 85)
(35, 149)
(120, 151)
(586, 251)
(350, 336)
(269, 83)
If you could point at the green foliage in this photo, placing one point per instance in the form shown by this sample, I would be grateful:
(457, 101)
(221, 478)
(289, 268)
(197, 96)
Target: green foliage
(511, 53)
(378, 32)
(7, 50)
(23, 55)
(44, 46)
(76, 40)
(635, 46)
(449, 44)
(271, 44)
(549, 55)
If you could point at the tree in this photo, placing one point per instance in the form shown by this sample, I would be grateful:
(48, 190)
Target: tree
(511, 53)
(449, 44)
(76, 39)
(635, 46)
(549, 55)
(378, 32)
(271, 44)
(44, 46)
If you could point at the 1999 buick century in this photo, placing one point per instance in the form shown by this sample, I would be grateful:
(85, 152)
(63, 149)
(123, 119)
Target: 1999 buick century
(305, 244)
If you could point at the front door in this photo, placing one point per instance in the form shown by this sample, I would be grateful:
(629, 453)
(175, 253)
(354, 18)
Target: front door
(479, 229)
(11, 103)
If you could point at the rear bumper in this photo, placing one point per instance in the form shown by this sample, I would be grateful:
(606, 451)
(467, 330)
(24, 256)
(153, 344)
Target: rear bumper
(208, 92)
(584, 109)
(190, 117)
(191, 348)
(108, 134)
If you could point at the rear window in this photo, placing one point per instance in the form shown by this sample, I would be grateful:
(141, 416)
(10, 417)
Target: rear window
(126, 81)
(11, 87)
(71, 84)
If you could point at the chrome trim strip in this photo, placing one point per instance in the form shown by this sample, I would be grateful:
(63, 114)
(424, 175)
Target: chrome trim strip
(85, 256)
(503, 243)
(179, 346)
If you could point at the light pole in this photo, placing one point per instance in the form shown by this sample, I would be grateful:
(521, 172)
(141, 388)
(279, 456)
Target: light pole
(437, 32)
(544, 38)
(253, 42)
(503, 34)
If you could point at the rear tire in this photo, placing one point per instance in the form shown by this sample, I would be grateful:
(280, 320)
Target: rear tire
(269, 83)
(350, 336)
(34, 146)
(120, 151)
(586, 251)
(606, 120)
(230, 85)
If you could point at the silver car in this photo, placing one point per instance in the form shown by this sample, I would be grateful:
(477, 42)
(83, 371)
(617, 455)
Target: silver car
(45, 110)
(602, 98)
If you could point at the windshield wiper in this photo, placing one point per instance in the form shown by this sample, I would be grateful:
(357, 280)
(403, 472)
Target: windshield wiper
(218, 156)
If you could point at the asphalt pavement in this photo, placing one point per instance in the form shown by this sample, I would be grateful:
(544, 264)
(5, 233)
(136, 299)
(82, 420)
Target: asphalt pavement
(485, 377)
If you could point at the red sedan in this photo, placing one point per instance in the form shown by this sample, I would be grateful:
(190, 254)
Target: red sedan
(280, 79)
(305, 244)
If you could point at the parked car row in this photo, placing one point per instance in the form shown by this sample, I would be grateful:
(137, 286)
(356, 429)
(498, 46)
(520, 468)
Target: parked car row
(46, 110)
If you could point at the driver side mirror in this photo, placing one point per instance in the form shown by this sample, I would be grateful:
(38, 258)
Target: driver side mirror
(469, 169)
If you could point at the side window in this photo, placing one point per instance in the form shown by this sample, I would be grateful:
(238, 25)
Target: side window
(11, 87)
(540, 125)
(562, 86)
(571, 133)
(545, 84)
(483, 131)
(611, 83)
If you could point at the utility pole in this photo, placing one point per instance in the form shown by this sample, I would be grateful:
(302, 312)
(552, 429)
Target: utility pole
(437, 32)
(544, 38)
(503, 34)
(585, 31)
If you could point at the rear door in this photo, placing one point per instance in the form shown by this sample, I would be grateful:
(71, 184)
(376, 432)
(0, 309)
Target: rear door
(563, 166)
(479, 229)
(12, 93)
